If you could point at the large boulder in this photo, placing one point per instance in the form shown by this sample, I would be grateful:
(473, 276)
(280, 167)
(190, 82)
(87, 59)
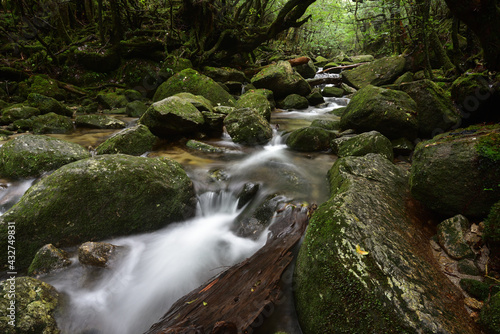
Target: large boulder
(257, 101)
(309, 139)
(224, 74)
(367, 142)
(458, 172)
(172, 116)
(97, 198)
(136, 140)
(365, 266)
(282, 80)
(392, 113)
(247, 126)
(52, 123)
(195, 83)
(31, 155)
(43, 85)
(34, 308)
(435, 111)
(380, 72)
(48, 104)
(18, 112)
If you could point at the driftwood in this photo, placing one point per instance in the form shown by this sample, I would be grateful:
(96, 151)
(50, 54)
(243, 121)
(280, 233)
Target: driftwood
(298, 61)
(241, 296)
(324, 81)
(340, 68)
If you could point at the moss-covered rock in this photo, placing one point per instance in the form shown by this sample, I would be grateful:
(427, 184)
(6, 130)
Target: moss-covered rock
(380, 72)
(490, 315)
(392, 113)
(96, 254)
(135, 109)
(307, 70)
(99, 122)
(97, 198)
(224, 74)
(331, 91)
(47, 259)
(256, 100)
(190, 81)
(35, 306)
(477, 289)
(315, 97)
(48, 104)
(309, 139)
(31, 155)
(402, 146)
(172, 65)
(43, 85)
(112, 100)
(282, 80)
(458, 172)
(407, 77)
(362, 58)
(294, 101)
(52, 123)
(435, 111)
(203, 147)
(172, 116)
(451, 236)
(326, 124)
(135, 140)
(247, 126)
(18, 112)
(367, 142)
(358, 269)
(198, 101)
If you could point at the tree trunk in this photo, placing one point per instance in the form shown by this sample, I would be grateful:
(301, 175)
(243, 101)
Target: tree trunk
(240, 298)
(483, 18)
(439, 50)
(117, 32)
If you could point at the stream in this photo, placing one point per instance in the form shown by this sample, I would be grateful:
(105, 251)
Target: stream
(153, 270)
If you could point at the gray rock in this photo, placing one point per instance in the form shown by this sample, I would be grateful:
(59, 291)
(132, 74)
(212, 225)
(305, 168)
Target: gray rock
(451, 236)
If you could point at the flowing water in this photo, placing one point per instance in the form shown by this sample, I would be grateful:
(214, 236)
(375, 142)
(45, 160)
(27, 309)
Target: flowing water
(153, 270)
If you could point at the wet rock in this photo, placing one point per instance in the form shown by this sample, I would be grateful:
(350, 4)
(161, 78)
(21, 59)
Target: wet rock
(96, 254)
(195, 83)
(309, 139)
(392, 113)
(172, 116)
(331, 91)
(247, 126)
(52, 123)
(282, 80)
(248, 192)
(31, 155)
(490, 315)
(435, 111)
(254, 225)
(224, 74)
(380, 72)
(359, 268)
(97, 198)
(214, 122)
(326, 124)
(202, 147)
(257, 101)
(315, 97)
(99, 122)
(47, 259)
(368, 142)
(18, 112)
(294, 101)
(135, 140)
(451, 236)
(35, 307)
(112, 100)
(48, 104)
(135, 109)
(458, 172)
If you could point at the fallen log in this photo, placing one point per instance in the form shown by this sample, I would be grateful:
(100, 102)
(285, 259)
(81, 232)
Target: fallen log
(324, 81)
(340, 68)
(298, 61)
(237, 300)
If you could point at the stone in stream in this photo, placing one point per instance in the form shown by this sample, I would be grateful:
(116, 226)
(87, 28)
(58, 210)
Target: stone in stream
(380, 72)
(315, 97)
(99, 122)
(294, 101)
(135, 140)
(31, 155)
(307, 70)
(96, 254)
(47, 259)
(367, 142)
(17, 112)
(98, 198)
(365, 266)
(257, 101)
(52, 123)
(247, 126)
(309, 139)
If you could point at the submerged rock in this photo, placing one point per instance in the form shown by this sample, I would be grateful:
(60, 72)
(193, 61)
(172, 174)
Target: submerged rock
(35, 306)
(247, 126)
(363, 266)
(282, 80)
(136, 140)
(47, 259)
(31, 155)
(380, 72)
(95, 254)
(458, 172)
(97, 198)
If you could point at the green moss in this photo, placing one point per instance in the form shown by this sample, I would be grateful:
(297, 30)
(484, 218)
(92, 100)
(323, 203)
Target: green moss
(477, 289)
(490, 315)
(489, 146)
(492, 224)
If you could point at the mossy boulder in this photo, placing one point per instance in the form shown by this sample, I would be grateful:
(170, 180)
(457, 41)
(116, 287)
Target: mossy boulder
(96, 254)
(224, 74)
(52, 123)
(282, 80)
(135, 108)
(407, 77)
(47, 259)
(190, 81)
(392, 113)
(112, 100)
(367, 142)
(48, 104)
(380, 72)
(451, 236)
(490, 315)
(18, 112)
(203, 147)
(307, 70)
(315, 97)
(362, 58)
(172, 116)
(359, 269)
(326, 124)
(43, 85)
(36, 303)
(99, 122)
(294, 101)
(331, 91)
(257, 101)
(98, 198)
(198, 101)
(309, 139)
(458, 172)
(435, 111)
(247, 126)
(172, 65)
(31, 155)
(135, 140)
